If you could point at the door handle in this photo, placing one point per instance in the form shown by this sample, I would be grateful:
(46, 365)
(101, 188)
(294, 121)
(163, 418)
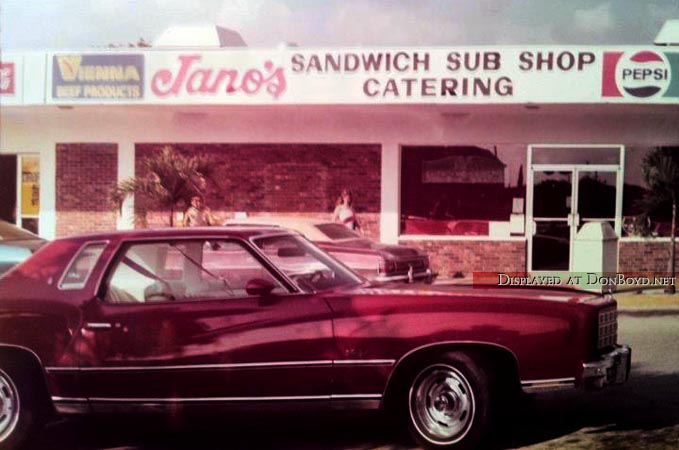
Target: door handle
(98, 326)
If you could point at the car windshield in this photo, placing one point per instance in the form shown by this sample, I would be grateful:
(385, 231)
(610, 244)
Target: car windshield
(311, 268)
(336, 231)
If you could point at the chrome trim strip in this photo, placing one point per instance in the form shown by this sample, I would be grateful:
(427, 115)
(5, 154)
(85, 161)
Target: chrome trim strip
(207, 399)
(355, 396)
(535, 386)
(325, 362)
(195, 366)
(68, 399)
(364, 362)
(236, 399)
(548, 381)
(61, 369)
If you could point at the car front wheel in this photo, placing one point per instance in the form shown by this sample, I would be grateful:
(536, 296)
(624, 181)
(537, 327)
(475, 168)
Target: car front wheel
(17, 416)
(448, 403)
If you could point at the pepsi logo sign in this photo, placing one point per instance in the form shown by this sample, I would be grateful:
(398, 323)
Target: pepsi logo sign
(643, 74)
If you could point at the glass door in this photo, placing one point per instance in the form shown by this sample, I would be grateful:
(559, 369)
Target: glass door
(597, 194)
(553, 219)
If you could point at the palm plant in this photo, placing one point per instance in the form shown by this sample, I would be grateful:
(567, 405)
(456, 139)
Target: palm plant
(661, 173)
(170, 180)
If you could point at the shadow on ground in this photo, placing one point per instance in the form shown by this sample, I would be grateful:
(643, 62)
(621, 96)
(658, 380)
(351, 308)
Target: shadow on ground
(649, 401)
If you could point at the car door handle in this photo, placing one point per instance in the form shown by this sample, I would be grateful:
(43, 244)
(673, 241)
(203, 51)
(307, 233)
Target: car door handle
(98, 326)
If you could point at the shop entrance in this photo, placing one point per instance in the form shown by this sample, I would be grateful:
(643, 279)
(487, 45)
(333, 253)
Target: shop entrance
(20, 190)
(569, 186)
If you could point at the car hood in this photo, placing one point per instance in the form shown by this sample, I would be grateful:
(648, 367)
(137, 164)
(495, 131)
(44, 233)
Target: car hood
(395, 251)
(561, 295)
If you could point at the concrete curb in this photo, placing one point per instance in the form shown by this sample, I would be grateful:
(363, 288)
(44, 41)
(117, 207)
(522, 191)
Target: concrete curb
(651, 311)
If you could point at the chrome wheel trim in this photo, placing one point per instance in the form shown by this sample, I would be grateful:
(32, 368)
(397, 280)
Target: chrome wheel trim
(9, 406)
(441, 404)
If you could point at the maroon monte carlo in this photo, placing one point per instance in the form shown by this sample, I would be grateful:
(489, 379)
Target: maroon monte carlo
(241, 317)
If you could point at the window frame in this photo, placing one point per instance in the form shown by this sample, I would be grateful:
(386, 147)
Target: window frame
(403, 237)
(124, 245)
(78, 286)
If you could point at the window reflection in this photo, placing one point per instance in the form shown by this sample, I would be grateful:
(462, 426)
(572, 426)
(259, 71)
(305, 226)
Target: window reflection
(645, 213)
(461, 190)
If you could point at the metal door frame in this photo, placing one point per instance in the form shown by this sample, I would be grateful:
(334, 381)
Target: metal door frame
(575, 169)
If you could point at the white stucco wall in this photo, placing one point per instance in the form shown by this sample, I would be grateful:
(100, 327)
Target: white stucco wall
(37, 129)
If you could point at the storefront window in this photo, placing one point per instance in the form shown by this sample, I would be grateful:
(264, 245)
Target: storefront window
(20, 206)
(30, 192)
(463, 190)
(645, 212)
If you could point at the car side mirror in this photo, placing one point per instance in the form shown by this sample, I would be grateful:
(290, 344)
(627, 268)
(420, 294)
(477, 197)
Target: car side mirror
(259, 286)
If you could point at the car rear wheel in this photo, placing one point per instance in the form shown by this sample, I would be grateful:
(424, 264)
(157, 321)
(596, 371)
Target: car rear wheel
(17, 411)
(448, 403)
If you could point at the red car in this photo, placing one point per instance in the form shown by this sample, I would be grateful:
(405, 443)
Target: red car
(242, 317)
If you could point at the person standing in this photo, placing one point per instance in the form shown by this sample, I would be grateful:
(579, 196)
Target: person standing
(344, 211)
(197, 214)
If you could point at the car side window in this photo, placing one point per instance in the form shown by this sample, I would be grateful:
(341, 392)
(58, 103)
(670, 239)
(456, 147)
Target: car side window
(184, 270)
(78, 271)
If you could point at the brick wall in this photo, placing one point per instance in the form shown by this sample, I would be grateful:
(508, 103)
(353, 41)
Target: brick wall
(286, 179)
(450, 257)
(85, 175)
(644, 256)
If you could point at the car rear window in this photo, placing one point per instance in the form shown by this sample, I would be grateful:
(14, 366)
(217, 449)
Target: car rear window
(80, 268)
(337, 231)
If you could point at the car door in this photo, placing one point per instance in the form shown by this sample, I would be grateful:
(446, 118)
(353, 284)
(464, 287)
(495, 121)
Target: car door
(173, 322)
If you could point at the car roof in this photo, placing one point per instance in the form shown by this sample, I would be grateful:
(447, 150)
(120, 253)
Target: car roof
(179, 232)
(304, 225)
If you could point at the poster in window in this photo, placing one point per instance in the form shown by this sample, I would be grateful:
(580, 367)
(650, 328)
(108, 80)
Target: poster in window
(30, 185)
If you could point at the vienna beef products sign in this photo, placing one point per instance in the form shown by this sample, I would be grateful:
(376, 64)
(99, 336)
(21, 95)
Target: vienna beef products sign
(97, 77)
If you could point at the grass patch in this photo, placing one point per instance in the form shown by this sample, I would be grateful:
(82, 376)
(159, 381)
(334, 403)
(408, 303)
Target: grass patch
(632, 300)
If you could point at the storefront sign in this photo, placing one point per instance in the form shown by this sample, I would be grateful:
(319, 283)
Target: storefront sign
(11, 72)
(7, 79)
(99, 77)
(189, 76)
(414, 75)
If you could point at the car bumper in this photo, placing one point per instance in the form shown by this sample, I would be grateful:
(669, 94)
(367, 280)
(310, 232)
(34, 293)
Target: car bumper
(426, 275)
(610, 369)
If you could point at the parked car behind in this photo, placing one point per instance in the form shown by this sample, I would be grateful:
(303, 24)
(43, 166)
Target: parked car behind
(242, 318)
(373, 260)
(16, 244)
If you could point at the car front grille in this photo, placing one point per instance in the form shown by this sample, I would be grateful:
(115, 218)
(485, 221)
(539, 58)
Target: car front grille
(608, 327)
